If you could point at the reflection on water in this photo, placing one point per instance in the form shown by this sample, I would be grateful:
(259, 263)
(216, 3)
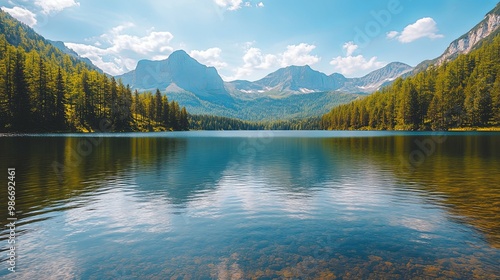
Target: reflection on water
(255, 205)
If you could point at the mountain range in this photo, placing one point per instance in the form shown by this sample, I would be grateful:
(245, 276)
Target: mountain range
(180, 72)
(283, 93)
(202, 90)
(303, 80)
(290, 92)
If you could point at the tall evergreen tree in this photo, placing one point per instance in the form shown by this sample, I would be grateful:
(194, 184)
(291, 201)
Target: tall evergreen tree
(21, 111)
(165, 113)
(174, 113)
(183, 119)
(113, 102)
(158, 106)
(60, 115)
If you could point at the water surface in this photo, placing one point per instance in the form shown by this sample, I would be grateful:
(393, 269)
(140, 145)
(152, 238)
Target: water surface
(260, 204)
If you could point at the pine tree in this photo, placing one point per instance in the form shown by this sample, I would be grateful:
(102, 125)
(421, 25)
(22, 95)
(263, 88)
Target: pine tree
(60, 115)
(136, 104)
(21, 107)
(482, 104)
(184, 122)
(151, 110)
(174, 115)
(495, 101)
(165, 113)
(113, 102)
(158, 106)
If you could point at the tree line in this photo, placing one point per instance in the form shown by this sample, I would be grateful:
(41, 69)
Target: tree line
(208, 122)
(43, 89)
(463, 93)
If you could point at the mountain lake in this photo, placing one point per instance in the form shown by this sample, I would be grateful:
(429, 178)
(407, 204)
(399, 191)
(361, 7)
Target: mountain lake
(253, 205)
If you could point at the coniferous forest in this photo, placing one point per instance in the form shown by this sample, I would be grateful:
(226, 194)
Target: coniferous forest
(206, 122)
(43, 89)
(464, 93)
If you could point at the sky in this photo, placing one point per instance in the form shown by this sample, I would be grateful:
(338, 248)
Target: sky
(247, 39)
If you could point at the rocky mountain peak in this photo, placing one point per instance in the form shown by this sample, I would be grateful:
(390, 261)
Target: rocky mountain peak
(468, 41)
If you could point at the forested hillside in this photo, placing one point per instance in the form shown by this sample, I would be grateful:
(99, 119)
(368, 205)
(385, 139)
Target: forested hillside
(43, 89)
(464, 93)
(205, 122)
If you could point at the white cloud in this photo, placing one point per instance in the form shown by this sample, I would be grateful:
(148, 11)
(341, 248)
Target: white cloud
(349, 48)
(231, 5)
(122, 50)
(392, 34)
(210, 57)
(154, 42)
(160, 57)
(422, 28)
(299, 55)
(350, 64)
(254, 59)
(22, 15)
(49, 6)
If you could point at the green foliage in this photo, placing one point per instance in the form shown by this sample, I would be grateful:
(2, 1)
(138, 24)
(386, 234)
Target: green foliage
(462, 93)
(42, 89)
(205, 122)
(154, 112)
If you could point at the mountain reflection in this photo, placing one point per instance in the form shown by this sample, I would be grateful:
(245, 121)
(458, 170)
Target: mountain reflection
(460, 175)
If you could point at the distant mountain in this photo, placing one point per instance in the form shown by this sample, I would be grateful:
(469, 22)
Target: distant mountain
(303, 80)
(63, 48)
(294, 91)
(376, 79)
(485, 29)
(178, 73)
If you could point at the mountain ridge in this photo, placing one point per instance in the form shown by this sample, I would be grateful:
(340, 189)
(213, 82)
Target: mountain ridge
(19, 34)
(179, 72)
(469, 41)
(151, 74)
(64, 49)
(201, 89)
(207, 85)
(304, 79)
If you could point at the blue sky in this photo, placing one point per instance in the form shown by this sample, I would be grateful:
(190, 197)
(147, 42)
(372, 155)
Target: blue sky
(247, 39)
